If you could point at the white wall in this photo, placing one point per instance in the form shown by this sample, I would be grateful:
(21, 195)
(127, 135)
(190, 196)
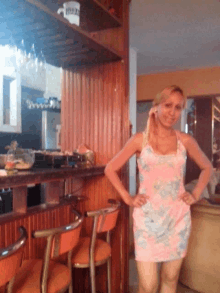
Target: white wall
(53, 82)
(133, 118)
(133, 114)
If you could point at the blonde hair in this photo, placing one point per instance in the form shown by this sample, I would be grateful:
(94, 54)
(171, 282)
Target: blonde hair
(151, 128)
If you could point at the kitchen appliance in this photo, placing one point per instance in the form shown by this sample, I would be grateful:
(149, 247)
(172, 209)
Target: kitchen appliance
(50, 160)
(50, 128)
(5, 201)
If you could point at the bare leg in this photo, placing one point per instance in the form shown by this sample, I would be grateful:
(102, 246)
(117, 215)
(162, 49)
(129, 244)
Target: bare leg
(148, 278)
(170, 275)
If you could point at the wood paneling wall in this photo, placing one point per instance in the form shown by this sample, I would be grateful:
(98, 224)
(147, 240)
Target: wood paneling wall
(95, 107)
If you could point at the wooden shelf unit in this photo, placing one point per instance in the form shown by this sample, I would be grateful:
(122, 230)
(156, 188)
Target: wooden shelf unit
(94, 16)
(63, 44)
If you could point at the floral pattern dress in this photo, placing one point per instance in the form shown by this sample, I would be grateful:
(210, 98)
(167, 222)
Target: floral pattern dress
(162, 226)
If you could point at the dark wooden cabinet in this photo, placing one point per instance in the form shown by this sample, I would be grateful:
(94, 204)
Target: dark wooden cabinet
(206, 131)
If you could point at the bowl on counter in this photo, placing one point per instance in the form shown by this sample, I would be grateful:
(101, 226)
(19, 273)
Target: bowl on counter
(23, 159)
(3, 160)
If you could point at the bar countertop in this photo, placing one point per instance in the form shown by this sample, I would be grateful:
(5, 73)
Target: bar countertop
(36, 176)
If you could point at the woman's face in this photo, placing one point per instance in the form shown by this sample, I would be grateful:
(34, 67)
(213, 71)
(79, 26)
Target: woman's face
(169, 110)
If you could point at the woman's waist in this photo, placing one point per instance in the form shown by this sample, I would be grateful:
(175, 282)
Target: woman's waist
(176, 209)
(173, 189)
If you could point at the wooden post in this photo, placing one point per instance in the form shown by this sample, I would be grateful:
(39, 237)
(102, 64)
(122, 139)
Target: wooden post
(53, 191)
(20, 199)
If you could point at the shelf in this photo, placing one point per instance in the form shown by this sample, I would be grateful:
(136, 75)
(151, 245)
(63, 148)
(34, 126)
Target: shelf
(63, 44)
(217, 109)
(216, 151)
(93, 15)
(217, 119)
(93, 10)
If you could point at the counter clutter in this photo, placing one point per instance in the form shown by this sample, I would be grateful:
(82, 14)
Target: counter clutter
(18, 159)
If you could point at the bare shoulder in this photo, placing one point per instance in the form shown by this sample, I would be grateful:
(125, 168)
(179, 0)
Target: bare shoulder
(186, 138)
(138, 137)
(194, 151)
(137, 140)
(132, 146)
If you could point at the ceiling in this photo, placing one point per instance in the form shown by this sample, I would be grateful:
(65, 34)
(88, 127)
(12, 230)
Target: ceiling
(175, 35)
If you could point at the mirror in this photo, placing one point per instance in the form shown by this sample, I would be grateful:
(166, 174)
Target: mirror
(27, 110)
(10, 92)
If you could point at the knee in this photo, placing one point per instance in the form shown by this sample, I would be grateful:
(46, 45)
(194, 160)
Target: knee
(148, 287)
(170, 277)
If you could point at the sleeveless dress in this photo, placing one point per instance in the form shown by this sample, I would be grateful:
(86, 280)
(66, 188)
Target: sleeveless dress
(162, 226)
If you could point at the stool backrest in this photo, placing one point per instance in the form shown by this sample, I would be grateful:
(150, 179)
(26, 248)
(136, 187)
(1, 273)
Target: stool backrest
(11, 257)
(61, 239)
(107, 220)
(104, 220)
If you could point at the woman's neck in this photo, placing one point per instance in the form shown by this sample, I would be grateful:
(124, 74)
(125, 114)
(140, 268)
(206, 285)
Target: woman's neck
(163, 132)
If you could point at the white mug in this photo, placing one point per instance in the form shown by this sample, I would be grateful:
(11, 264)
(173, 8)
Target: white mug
(71, 11)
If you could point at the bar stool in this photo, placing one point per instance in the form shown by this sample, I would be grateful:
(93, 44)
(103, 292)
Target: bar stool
(49, 275)
(92, 251)
(10, 260)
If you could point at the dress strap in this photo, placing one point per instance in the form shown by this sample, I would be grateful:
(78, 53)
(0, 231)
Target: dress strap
(179, 138)
(144, 139)
(178, 135)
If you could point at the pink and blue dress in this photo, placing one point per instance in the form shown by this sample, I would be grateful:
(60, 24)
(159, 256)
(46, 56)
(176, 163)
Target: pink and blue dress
(162, 226)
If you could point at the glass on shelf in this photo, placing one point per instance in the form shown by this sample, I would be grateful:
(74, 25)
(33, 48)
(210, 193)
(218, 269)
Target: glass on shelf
(21, 55)
(41, 60)
(32, 59)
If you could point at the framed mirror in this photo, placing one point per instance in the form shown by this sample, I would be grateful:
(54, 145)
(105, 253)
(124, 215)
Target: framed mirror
(10, 100)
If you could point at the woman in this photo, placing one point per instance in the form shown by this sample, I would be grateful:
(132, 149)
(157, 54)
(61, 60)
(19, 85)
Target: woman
(161, 213)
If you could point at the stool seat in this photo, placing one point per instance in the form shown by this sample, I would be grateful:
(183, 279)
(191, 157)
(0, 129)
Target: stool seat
(102, 252)
(47, 275)
(10, 261)
(28, 277)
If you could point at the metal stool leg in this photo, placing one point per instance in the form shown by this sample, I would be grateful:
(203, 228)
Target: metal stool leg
(92, 278)
(109, 274)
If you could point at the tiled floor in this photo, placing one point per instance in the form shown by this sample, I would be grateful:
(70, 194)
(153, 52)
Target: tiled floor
(133, 280)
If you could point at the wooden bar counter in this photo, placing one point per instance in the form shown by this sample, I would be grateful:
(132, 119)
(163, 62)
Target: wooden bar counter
(35, 176)
(54, 211)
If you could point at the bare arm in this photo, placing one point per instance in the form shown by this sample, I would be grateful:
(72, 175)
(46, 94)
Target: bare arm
(198, 156)
(133, 146)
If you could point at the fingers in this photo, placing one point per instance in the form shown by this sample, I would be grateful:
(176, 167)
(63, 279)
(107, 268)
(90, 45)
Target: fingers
(140, 200)
(188, 198)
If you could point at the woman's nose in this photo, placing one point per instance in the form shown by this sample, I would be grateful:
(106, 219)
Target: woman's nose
(172, 111)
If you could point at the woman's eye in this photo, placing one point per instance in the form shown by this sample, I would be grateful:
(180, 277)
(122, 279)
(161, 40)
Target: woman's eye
(168, 105)
(178, 107)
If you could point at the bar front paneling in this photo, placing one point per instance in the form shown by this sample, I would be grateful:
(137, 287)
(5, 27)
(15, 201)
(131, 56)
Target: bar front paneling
(57, 216)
